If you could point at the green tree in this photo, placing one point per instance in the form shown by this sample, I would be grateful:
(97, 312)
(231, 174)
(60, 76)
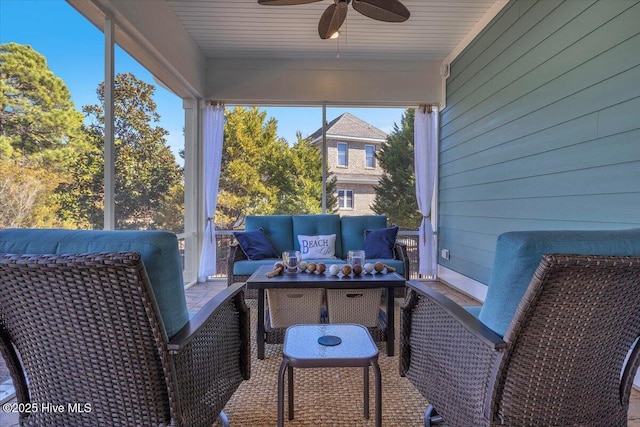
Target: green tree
(36, 111)
(262, 174)
(39, 138)
(395, 192)
(308, 168)
(148, 181)
(249, 146)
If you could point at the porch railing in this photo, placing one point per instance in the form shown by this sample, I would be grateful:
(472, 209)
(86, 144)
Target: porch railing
(224, 239)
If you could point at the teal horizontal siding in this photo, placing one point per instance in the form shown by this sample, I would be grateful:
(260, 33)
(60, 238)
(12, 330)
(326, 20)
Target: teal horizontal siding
(541, 128)
(568, 72)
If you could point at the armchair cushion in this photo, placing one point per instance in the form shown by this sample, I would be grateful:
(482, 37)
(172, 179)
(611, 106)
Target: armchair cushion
(158, 249)
(518, 254)
(379, 243)
(255, 244)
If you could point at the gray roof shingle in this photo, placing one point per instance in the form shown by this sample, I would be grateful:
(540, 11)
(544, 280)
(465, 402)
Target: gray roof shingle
(351, 126)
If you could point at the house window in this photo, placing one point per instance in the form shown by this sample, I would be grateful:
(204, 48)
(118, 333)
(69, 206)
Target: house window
(370, 156)
(345, 199)
(343, 154)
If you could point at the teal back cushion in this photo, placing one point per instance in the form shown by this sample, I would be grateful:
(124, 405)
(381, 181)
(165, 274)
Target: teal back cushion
(159, 251)
(313, 225)
(353, 228)
(518, 254)
(276, 227)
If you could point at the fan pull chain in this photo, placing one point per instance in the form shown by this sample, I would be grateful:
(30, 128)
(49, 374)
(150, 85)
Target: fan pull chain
(346, 31)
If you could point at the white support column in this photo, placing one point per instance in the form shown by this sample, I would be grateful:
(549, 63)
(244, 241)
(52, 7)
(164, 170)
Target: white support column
(193, 189)
(109, 148)
(324, 157)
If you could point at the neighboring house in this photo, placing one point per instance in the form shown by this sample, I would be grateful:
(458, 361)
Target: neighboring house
(352, 145)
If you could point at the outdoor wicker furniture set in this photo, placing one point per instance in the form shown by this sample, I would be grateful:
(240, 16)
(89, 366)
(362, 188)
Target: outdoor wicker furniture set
(99, 318)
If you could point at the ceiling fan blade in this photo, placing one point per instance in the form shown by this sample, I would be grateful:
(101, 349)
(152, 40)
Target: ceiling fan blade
(331, 20)
(285, 2)
(382, 10)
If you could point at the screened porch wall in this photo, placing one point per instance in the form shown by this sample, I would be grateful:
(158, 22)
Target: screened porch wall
(541, 129)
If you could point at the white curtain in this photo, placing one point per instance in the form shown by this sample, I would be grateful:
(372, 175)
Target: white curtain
(212, 135)
(425, 145)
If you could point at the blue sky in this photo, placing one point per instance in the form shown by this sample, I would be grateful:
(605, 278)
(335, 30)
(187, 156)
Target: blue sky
(74, 49)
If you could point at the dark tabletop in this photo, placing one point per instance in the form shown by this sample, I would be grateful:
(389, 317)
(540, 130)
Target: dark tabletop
(259, 280)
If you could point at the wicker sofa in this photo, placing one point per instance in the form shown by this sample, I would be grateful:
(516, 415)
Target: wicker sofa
(283, 230)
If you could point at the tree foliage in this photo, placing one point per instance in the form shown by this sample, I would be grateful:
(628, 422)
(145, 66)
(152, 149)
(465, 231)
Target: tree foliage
(148, 181)
(262, 174)
(19, 192)
(39, 138)
(395, 192)
(36, 111)
(52, 162)
(307, 172)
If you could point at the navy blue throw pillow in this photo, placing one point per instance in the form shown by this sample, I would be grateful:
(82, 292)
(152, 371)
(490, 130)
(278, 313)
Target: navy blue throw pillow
(255, 244)
(379, 243)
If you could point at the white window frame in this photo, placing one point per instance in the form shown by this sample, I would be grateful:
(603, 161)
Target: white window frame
(366, 156)
(346, 155)
(344, 197)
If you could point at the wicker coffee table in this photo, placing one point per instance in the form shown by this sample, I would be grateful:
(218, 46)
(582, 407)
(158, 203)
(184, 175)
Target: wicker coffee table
(345, 345)
(260, 281)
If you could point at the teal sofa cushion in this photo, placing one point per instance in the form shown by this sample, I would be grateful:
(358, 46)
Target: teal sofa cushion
(518, 254)
(278, 229)
(247, 267)
(312, 225)
(159, 251)
(353, 228)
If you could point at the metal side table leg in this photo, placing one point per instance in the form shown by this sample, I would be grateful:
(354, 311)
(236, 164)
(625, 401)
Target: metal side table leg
(290, 390)
(377, 375)
(283, 369)
(365, 381)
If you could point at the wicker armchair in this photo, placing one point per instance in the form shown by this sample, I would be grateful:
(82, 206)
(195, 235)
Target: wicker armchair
(84, 333)
(567, 358)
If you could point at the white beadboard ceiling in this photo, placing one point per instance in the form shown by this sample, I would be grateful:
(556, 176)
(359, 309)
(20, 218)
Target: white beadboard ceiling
(245, 29)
